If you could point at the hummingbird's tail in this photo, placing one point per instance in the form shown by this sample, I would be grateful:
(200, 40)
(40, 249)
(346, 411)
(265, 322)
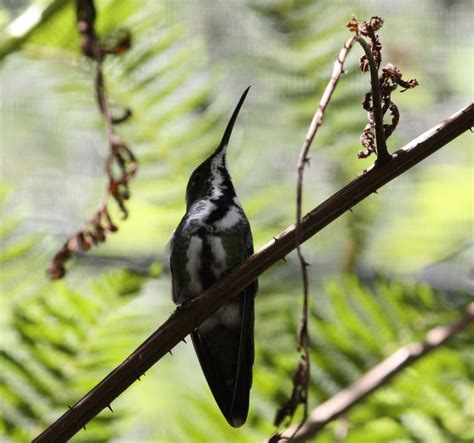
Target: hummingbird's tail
(226, 356)
(228, 130)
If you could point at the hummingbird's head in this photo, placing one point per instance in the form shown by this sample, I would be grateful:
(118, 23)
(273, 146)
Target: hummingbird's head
(211, 178)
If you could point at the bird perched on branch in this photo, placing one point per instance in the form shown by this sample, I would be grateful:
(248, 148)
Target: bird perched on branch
(213, 238)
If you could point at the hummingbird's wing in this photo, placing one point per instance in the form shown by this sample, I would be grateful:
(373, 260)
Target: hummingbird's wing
(226, 352)
(175, 290)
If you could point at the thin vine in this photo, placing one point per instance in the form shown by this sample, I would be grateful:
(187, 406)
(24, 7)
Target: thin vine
(376, 102)
(120, 164)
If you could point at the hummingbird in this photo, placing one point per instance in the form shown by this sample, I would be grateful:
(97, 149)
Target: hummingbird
(212, 238)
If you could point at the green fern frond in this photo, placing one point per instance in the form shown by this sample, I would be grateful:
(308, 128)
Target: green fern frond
(356, 327)
(61, 342)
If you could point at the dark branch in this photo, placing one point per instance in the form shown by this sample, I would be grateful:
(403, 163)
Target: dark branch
(183, 321)
(373, 380)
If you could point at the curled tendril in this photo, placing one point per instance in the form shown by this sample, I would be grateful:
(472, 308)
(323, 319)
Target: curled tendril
(121, 164)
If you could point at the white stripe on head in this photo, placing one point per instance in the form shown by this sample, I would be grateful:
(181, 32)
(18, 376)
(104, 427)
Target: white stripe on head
(217, 179)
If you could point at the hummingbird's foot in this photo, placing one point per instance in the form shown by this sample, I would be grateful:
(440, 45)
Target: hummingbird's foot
(184, 304)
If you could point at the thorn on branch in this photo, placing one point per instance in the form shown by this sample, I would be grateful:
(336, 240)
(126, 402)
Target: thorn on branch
(110, 407)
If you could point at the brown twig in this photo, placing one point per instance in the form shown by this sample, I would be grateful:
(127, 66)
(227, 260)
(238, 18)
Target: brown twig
(299, 394)
(183, 321)
(119, 157)
(369, 61)
(375, 379)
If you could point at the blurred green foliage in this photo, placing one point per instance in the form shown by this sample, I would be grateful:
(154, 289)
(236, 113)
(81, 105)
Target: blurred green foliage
(380, 277)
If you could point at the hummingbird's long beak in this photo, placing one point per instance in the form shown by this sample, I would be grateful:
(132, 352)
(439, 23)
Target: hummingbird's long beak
(228, 130)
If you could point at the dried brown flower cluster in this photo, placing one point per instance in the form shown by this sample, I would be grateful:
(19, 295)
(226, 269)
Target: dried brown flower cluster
(388, 80)
(121, 165)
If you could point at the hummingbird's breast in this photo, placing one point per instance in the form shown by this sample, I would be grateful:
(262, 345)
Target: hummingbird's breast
(206, 261)
(207, 244)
